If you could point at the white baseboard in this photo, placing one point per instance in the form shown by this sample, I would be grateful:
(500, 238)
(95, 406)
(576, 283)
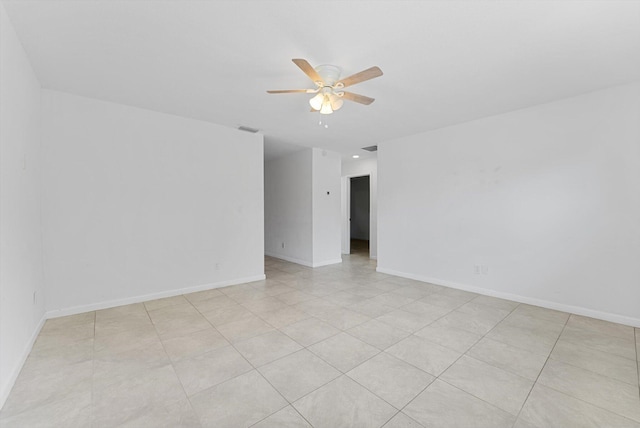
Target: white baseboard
(327, 262)
(6, 388)
(303, 262)
(578, 310)
(143, 298)
(289, 259)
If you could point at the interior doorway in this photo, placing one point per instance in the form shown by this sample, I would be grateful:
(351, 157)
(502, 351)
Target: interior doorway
(359, 214)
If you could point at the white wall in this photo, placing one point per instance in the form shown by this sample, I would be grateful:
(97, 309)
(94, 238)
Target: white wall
(288, 208)
(326, 207)
(548, 198)
(298, 210)
(139, 204)
(21, 272)
(359, 167)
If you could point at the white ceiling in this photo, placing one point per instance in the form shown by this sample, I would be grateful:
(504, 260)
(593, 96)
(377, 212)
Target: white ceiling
(444, 62)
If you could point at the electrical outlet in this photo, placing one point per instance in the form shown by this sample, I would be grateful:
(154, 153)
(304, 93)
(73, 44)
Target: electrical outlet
(283, 245)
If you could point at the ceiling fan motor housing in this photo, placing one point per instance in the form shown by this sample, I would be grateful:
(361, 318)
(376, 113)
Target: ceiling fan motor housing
(329, 73)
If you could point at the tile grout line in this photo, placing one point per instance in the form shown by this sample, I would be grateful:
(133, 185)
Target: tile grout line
(254, 368)
(635, 335)
(381, 351)
(171, 362)
(457, 359)
(581, 345)
(303, 348)
(636, 422)
(542, 369)
(93, 367)
(169, 358)
(318, 356)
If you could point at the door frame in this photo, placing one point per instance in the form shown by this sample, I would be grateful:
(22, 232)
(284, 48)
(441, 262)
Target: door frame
(346, 210)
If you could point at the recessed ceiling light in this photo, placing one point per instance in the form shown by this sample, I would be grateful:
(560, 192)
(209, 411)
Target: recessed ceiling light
(355, 156)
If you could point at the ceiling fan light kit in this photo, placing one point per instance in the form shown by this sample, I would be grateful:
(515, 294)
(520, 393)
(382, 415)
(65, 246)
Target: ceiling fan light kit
(326, 101)
(326, 106)
(329, 87)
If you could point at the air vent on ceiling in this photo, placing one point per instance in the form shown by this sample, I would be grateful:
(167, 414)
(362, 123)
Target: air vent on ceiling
(371, 148)
(248, 129)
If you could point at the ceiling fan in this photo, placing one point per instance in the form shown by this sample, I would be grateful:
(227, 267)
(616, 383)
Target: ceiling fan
(329, 87)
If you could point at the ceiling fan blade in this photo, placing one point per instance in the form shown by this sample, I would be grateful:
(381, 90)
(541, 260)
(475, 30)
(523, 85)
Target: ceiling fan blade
(308, 70)
(292, 91)
(367, 74)
(357, 98)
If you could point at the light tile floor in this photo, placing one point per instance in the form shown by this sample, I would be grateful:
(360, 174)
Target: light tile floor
(338, 346)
